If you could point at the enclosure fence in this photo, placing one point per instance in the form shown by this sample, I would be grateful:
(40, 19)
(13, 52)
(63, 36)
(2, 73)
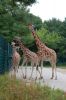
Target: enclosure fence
(5, 56)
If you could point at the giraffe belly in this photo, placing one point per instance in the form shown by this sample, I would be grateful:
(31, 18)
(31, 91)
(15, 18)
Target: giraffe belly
(46, 58)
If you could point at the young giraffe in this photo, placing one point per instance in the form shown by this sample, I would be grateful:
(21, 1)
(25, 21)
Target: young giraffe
(29, 56)
(15, 59)
(45, 53)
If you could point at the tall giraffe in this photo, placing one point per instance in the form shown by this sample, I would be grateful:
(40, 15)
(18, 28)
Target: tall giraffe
(15, 59)
(29, 56)
(45, 53)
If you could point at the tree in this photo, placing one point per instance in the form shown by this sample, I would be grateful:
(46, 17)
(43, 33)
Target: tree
(53, 25)
(13, 18)
(55, 41)
(25, 2)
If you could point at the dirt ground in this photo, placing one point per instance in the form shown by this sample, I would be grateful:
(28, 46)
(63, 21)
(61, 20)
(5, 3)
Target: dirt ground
(62, 70)
(60, 83)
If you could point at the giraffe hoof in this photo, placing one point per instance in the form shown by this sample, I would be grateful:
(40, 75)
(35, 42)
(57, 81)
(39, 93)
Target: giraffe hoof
(41, 77)
(24, 77)
(36, 78)
(55, 78)
(51, 78)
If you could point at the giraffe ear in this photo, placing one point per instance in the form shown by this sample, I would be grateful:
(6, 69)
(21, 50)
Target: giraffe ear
(13, 43)
(17, 40)
(31, 26)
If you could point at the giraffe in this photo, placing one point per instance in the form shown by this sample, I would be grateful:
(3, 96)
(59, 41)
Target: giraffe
(29, 56)
(45, 53)
(15, 59)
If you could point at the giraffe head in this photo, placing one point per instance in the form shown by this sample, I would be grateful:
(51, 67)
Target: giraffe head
(17, 40)
(31, 27)
(13, 44)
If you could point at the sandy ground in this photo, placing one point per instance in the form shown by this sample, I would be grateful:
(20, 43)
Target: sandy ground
(60, 83)
(61, 70)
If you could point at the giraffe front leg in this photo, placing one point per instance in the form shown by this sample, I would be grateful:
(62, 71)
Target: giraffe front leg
(24, 61)
(52, 65)
(31, 73)
(41, 77)
(39, 72)
(14, 71)
(52, 72)
(41, 69)
(25, 76)
(55, 73)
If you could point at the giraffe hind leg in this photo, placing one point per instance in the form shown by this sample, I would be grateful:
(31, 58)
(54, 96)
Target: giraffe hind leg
(41, 77)
(52, 70)
(31, 72)
(55, 73)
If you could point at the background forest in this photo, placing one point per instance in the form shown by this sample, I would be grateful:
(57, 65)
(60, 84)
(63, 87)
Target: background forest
(14, 18)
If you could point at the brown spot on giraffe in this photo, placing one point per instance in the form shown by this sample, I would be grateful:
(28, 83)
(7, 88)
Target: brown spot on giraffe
(47, 54)
(15, 59)
(29, 56)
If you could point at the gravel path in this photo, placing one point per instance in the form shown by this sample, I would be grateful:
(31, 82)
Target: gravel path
(62, 70)
(60, 83)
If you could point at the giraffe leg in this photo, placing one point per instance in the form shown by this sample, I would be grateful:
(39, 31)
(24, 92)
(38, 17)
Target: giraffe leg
(52, 73)
(25, 71)
(39, 72)
(55, 73)
(14, 72)
(52, 70)
(24, 61)
(31, 73)
(17, 67)
(41, 69)
(36, 73)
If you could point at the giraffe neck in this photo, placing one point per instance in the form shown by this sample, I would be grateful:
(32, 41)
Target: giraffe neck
(14, 49)
(23, 48)
(37, 40)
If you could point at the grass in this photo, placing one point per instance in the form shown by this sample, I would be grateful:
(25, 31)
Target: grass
(60, 65)
(12, 89)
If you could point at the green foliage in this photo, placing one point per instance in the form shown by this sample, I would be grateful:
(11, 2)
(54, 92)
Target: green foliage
(53, 25)
(50, 38)
(14, 18)
(12, 89)
(55, 41)
(26, 2)
(59, 28)
(34, 20)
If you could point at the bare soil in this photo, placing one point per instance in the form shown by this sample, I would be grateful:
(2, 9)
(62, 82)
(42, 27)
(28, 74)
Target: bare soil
(62, 70)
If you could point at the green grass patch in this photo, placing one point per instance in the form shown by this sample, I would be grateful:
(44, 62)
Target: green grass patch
(12, 89)
(63, 65)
